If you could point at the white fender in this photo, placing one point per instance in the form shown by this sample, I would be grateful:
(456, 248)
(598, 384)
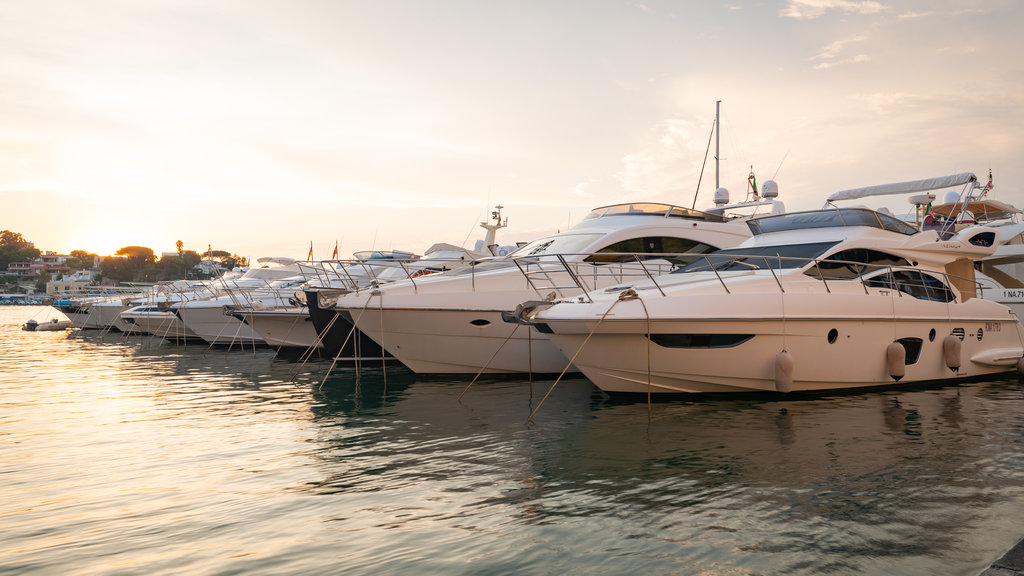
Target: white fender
(783, 371)
(896, 360)
(951, 352)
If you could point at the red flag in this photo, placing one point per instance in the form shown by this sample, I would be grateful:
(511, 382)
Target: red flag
(310, 256)
(334, 256)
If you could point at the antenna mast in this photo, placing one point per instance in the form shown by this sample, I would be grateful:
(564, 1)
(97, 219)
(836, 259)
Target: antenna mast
(718, 105)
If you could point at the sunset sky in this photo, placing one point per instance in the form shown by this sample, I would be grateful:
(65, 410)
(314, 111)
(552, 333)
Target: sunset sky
(260, 126)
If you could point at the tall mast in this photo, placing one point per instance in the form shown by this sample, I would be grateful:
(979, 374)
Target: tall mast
(718, 105)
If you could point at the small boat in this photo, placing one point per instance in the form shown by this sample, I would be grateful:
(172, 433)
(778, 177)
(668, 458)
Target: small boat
(49, 325)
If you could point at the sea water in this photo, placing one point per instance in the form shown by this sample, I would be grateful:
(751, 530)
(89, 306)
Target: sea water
(130, 455)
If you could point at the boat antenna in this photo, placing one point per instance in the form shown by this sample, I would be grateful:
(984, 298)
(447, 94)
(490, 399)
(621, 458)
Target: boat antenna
(784, 156)
(714, 130)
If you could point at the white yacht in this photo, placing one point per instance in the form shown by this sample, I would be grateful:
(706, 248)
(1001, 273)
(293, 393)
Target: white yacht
(268, 284)
(830, 299)
(291, 325)
(452, 322)
(335, 332)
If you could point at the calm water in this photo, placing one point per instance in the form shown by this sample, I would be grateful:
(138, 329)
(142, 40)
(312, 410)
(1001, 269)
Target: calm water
(129, 456)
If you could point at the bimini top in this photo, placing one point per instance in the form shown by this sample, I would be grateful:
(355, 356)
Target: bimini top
(830, 218)
(905, 187)
(653, 209)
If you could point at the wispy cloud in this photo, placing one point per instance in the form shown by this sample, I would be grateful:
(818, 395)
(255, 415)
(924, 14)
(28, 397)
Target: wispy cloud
(833, 49)
(810, 9)
(911, 15)
(827, 56)
(666, 162)
(854, 60)
(643, 7)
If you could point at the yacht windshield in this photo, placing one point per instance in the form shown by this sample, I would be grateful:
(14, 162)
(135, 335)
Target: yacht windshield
(653, 209)
(758, 257)
(834, 218)
(560, 244)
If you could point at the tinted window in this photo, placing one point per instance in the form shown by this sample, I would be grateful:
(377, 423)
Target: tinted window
(914, 283)
(834, 218)
(853, 263)
(759, 257)
(624, 250)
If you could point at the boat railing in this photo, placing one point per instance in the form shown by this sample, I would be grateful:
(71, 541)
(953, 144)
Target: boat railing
(900, 279)
(563, 275)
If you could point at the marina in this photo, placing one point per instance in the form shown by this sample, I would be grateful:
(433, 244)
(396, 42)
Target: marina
(128, 454)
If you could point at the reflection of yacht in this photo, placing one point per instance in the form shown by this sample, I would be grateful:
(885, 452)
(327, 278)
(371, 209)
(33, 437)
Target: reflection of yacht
(452, 322)
(837, 298)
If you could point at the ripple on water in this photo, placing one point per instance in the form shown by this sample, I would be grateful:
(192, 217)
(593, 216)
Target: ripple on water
(129, 455)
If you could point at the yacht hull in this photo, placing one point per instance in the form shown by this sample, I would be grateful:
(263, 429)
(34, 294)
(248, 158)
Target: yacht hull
(289, 328)
(161, 324)
(447, 341)
(616, 356)
(215, 326)
(335, 332)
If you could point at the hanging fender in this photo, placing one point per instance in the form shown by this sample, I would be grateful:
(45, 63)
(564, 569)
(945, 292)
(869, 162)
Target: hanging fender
(896, 360)
(784, 372)
(951, 352)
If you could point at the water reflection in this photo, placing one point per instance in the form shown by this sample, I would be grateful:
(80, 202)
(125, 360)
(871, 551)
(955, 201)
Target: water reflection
(158, 457)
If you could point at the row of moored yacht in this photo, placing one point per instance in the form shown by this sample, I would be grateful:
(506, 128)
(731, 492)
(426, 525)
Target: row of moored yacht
(651, 298)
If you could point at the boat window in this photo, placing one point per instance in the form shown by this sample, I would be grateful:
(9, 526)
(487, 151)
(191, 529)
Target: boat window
(560, 244)
(758, 257)
(699, 340)
(912, 347)
(832, 218)
(984, 239)
(853, 263)
(681, 250)
(914, 283)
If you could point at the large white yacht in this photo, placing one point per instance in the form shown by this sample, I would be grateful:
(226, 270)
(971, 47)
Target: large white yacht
(452, 322)
(829, 299)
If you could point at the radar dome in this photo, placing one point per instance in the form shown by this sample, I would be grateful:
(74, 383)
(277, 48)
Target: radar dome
(952, 196)
(721, 197)
(769, 189)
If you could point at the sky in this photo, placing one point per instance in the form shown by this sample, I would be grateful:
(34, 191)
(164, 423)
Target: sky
(259, 127)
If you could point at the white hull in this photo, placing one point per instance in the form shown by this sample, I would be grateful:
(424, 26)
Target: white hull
(215, 327)
(616, 356)
(439, 341)
(161, 324)
(108, 315)
(290, 328)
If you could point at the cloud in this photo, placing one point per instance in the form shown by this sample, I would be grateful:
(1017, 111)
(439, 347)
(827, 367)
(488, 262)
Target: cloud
(855, 60)
(581, 190)
(910, 15)
(833, 49)
(811, 9)
(665, 163)
(643, 8)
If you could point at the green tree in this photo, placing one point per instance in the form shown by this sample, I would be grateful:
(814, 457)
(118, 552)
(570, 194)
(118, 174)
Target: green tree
(15, 248)
(80, 259)
(133, 263)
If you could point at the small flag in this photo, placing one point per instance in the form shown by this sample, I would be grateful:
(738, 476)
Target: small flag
(310, 256)
(989, 185)
(752, 180)
(334, 256)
